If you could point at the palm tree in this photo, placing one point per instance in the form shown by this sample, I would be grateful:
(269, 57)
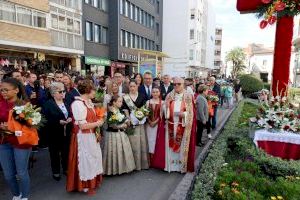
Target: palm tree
(237, 57)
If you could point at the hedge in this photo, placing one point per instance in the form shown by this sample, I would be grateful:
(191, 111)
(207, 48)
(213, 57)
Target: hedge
(250, 84)
(235, 135)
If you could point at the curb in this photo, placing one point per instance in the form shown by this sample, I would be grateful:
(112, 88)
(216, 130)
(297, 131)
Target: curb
(184, 189)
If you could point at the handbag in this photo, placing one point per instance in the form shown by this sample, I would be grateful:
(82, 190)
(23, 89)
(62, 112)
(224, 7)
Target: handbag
(25, 135)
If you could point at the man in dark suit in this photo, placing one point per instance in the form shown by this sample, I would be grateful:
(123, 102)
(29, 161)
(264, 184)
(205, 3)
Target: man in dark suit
(119, 79)
(166, 87)
(146, 89)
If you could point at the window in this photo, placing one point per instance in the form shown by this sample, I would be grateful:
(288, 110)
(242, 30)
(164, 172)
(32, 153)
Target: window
(193, 14)
(126, 8)
(104, 35)
(136, 42)
(192, 34)
(157, 28)
(70, 25)
(62, 23)
(191, 54)
(152, 22)
(145, 19)
(77, 27)
(123, 37)
(103, 5)
(136, 14)
(39, 19)
(7, 12)
(54, 21)
(97, 33)
(126, 39)
(89, 31)
(131, 11)
(96, 3)
(24, 16)
(121, 7)
(141, 16)
(131, 40)
(157, 6)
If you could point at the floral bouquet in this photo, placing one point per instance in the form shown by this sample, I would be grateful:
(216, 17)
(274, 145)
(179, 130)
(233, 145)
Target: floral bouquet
(213, 98)
(100, 114)
(277, 114)
(117, 118)
(139, 115)
(28, 115)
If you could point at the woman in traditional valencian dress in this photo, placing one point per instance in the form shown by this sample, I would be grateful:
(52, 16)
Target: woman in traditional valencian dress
(118, 156)
(155, 106)
(85, 158)
(138, 139)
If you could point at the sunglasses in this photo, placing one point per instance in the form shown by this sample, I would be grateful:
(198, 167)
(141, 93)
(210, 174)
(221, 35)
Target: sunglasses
(61, 92)
(177, 84)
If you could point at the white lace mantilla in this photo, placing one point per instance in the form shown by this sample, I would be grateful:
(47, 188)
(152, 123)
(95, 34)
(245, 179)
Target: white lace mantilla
(286, 137)
(89, 156)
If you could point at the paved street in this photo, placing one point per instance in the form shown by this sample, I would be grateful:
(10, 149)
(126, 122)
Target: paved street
(144, 185)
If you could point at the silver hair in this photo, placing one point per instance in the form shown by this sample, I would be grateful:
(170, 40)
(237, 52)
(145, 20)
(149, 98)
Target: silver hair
(56, 86)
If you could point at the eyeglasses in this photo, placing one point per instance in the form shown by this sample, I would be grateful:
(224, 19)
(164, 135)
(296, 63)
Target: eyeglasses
(177, 84)
(61, 92)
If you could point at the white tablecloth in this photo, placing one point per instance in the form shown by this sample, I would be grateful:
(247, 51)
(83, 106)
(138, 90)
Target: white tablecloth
(286, 137)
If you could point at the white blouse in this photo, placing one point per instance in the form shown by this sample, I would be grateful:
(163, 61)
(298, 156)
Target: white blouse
(79, 111)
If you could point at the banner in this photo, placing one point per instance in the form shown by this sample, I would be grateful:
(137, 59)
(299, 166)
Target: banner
(148, 68)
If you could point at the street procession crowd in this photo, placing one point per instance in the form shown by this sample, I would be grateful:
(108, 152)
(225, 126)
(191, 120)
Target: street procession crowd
(102, 125)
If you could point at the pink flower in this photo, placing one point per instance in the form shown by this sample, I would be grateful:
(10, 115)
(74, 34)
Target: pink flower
(266, 1)
(279, 6)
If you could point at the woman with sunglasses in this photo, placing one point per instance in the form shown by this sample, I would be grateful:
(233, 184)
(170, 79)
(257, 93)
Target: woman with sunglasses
(13, 156)
(58, 129)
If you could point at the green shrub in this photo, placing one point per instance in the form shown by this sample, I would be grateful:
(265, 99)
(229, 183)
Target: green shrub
(247, 164)
(267, 86)
(250, 84)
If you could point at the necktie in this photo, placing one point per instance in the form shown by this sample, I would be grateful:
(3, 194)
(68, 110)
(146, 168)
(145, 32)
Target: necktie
(148, 91)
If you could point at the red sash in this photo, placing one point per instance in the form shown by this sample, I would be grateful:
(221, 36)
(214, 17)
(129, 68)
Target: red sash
(175, 143)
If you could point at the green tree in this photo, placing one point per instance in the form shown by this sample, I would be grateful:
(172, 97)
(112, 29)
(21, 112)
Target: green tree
(236, 57)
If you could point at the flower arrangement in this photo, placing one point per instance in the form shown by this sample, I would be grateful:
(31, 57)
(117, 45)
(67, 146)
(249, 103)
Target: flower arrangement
(213, 98)
(116, 118)
(271, 10)
(277, 114)
(141, 113)
(28, 115)
(100, 114)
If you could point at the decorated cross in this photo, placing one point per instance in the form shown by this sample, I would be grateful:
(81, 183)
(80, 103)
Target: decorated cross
(284, 35)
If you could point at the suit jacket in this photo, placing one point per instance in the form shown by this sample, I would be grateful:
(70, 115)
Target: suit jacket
(53, 114)
(143, 91)
(70, 96)
(163, 91)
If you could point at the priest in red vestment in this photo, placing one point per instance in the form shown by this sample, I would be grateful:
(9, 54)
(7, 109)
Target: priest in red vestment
(180, 129)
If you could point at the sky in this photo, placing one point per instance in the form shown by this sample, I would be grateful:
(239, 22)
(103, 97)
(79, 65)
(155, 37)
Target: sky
(239, 30)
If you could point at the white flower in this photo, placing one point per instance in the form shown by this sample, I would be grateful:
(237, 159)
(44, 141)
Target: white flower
(36, 119)
(139, 114)
(120, 117)
(19, 109)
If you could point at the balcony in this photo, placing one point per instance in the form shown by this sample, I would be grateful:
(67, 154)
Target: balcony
(66, 40)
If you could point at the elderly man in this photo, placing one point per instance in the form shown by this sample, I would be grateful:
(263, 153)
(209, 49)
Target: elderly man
(166, 87)
(180, 129)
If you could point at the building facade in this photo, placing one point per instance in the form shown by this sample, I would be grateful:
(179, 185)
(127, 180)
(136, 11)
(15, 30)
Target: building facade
(260, 61)
(41, 35)
(218, 48)
(187, 37)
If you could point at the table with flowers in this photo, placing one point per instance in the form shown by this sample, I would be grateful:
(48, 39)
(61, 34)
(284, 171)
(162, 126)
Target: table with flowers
(278, 126)
(285, 145)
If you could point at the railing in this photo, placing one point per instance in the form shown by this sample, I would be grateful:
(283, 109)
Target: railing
(66, 40)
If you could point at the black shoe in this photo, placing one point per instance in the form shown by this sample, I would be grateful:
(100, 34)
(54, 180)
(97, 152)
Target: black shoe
(56, 177)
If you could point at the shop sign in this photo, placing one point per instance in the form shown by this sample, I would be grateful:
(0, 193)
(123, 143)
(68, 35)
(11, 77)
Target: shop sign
(89, 60)
(130, 57)
(118, 65)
